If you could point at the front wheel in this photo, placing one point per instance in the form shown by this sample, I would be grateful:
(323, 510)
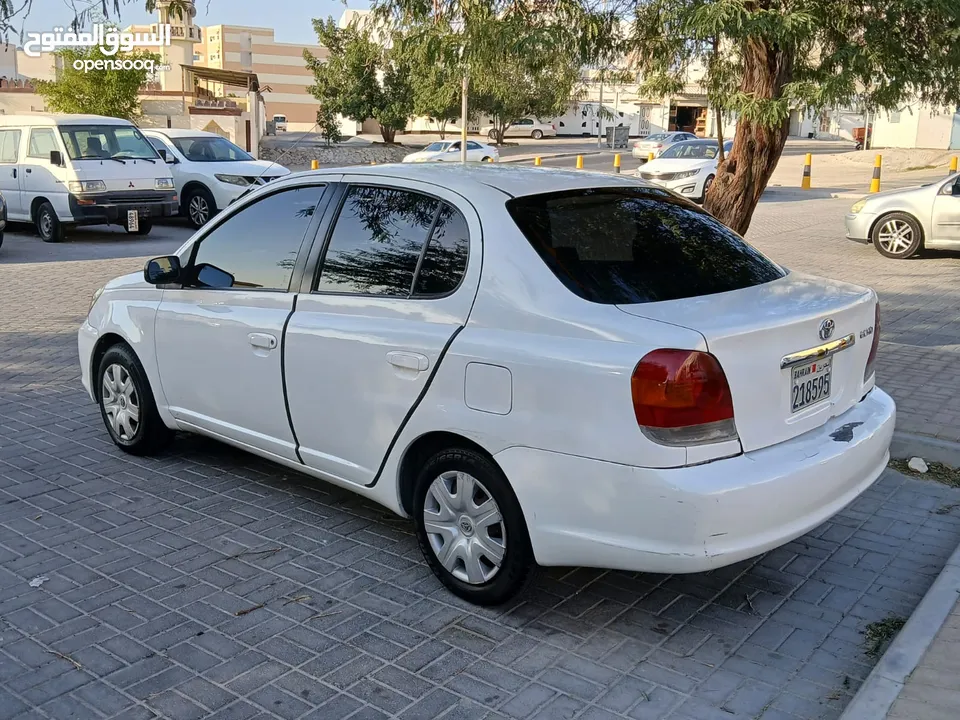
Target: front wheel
(49, 226)
(198, 206)
(127, 405)
(706, 187)
(143, 228)
(471, 529)
(536, 134)
(897, 236)
(492, 136)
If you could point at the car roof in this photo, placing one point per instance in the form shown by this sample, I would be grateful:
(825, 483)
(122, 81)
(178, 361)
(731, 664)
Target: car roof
(513, 180)
(53, 120)
(180, 132)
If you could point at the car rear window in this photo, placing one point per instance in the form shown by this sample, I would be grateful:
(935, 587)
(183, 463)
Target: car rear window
(637, 245)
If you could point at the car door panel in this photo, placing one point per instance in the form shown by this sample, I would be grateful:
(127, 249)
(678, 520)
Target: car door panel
(357, 364)
(946, 217)
(11, 172)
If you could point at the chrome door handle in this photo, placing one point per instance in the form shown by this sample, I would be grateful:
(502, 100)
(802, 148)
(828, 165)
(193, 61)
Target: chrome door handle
(408, 360)
(262, 340)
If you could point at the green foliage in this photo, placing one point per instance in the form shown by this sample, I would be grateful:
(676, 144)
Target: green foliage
(435, 74)
(98, 10)
(108, 92)
(360, 79)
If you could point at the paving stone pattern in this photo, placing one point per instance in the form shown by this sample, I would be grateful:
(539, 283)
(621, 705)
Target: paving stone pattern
(210, 584)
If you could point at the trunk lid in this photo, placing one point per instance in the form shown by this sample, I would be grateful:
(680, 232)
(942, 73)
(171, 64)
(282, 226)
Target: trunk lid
(752, 331)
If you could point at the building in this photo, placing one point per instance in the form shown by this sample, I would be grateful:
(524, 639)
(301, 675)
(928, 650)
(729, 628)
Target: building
(284, 77)
(917, 126)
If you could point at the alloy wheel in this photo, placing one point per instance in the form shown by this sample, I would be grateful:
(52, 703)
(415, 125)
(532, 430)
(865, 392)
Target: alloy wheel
(895, 236)
(199, 210)
(121, 402)
(464, 527)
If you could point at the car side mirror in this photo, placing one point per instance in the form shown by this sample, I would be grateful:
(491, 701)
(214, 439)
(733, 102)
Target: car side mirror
(162, 270)
(163, 154)
(210, 276)
(56, 157)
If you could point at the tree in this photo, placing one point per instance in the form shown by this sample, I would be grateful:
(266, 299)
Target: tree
(360, 79)
(12, 10)
(436, 85)
(104, 89)
(779, 54)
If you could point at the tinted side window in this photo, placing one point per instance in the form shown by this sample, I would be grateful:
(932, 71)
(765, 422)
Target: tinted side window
(42, 141)
(377, 242)
(445, 260)
(9, 146)
(626, 245)
(258, 246)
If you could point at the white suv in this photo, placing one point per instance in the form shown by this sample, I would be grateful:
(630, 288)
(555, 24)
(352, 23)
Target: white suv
(210, 172)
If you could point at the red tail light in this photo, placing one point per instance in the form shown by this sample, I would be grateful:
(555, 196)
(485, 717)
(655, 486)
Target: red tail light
(681, 397)
(552, 126)
(874, 347)
(659, 145)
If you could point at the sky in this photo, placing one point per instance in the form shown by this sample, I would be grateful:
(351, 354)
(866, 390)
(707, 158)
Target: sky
(291, 19)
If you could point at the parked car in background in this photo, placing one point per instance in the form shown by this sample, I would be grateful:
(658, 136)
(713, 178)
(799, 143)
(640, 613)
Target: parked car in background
(3, 217)
(210, 171)
(466, 344)
(901, 223)
(280, 123)
(60, 171)
(687, 167)
(657, 143)
(524, 127)
(449, 151)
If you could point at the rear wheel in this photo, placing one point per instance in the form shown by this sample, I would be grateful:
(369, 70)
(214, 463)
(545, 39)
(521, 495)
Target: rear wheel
(492, 135)
(48, 225)
(127, 405)
(897, 236)
(536, 134)
(471, 529)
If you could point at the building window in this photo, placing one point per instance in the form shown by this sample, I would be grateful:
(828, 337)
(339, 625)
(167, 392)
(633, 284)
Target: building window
(894, 116)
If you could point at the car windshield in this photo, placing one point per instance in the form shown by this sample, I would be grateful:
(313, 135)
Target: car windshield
(637, 245)
(437, 147)
(209, 149)
(692, 150)
(657, 138)
(105, 142)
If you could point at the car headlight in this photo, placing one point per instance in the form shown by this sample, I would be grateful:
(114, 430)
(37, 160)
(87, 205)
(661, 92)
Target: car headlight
(858, 205)
(164, 184)
(232, 180)
(93, 300)
(687, 174)
(81, 186)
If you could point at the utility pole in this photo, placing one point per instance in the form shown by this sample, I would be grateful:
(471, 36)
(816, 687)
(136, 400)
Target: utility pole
(600, 112)
(463, 116)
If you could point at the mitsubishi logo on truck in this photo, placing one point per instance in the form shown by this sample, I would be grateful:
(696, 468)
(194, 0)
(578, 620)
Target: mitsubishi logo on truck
(131, 185)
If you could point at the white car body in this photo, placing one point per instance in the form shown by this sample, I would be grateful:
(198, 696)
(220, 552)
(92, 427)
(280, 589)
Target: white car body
(658, 142)
(98, 180)
(280, 123)
(191, 174)
(687, 176)
(449, 151)
(516, 364)
(524, 127)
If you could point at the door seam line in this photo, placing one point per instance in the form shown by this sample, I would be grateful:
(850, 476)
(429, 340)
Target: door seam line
(283, 379)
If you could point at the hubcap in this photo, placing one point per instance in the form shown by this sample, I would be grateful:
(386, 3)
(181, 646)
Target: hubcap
(199, 210)
(120, 402)
(896, 236)
(46, 224)
(464, 527)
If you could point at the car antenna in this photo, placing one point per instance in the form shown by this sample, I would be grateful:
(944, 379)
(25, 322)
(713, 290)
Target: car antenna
(274, 162)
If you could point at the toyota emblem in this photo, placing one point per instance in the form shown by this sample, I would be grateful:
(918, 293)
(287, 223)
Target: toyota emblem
(826, 329)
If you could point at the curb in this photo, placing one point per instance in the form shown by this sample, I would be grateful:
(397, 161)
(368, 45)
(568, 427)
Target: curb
(885, 682)
(555, 156)
(907, 445)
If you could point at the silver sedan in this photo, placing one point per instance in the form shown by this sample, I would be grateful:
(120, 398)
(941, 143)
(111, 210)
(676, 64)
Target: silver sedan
(900, 223)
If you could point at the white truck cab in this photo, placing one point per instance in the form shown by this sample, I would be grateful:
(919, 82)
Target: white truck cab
(59, 171)
(280, 122)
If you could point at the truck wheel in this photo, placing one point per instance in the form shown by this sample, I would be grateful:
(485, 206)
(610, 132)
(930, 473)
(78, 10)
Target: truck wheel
(144, 228)
(48, 225)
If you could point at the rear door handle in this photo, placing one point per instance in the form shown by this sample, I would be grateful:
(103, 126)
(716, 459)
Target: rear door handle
(263, 340)
(29, 170)
(408, 360)
(14, 172)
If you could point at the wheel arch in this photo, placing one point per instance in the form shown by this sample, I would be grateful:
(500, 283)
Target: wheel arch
(103, 344)
(35, 206)
(193, 185)
(888, 213)
(420, 450)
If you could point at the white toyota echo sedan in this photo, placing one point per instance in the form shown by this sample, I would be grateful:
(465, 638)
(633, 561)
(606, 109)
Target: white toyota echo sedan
(541, 367)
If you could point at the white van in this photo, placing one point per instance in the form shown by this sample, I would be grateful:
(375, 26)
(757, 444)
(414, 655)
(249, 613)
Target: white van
(57, 171)
(280, 123)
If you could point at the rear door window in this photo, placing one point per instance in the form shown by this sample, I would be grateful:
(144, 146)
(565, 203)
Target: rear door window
(637, 245)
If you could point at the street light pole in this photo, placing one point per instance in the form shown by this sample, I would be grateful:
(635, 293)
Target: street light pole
(600, 112)
(464, 87)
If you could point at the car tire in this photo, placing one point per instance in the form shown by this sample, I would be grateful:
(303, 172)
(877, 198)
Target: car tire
(198, 206)
(442, 479)
(897, 236)
(492, 136)
(706, 186)
(48, 225)
(486, 158)
(536, 134)
(122, 386)
(144, 228)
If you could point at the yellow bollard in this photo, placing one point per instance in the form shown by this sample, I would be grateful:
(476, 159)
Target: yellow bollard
(536, 161)
(649, 157)
(579, 162)
(807, 162)
(616, 163)
(875, 182)
(953, 164)
(314, 165)
(373, 162)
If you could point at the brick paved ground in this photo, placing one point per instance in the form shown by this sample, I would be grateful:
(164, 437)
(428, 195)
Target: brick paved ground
(208, 583)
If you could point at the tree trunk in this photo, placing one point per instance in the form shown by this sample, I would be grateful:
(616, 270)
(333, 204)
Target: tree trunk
(720, 156)
(442, 126)
(387, 133)
(743, 176)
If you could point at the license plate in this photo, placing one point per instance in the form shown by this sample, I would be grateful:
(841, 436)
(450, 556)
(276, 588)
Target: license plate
(133, 220)
(810, 383)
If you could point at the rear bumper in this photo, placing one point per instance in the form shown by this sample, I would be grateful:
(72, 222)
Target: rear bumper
(100, 208)
(858, 226)
(585, 512)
